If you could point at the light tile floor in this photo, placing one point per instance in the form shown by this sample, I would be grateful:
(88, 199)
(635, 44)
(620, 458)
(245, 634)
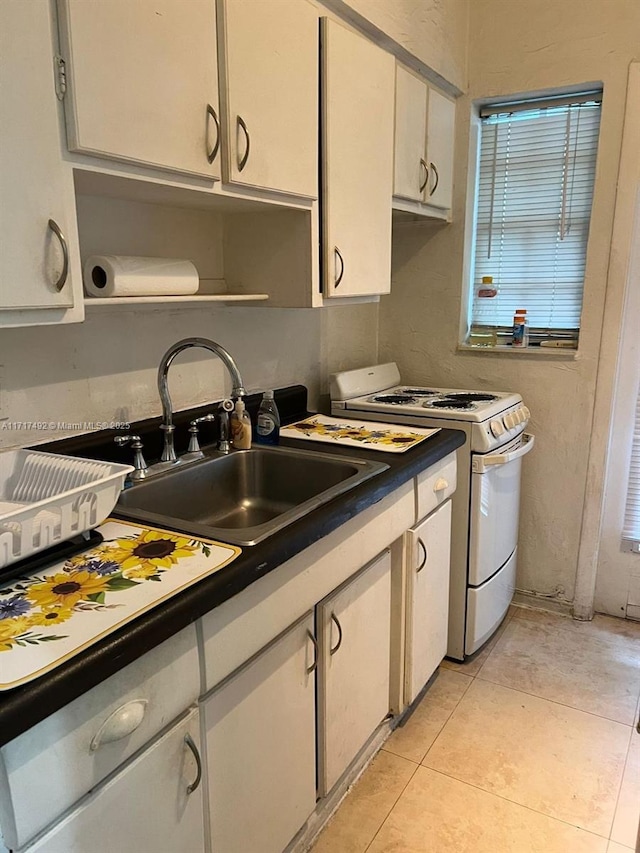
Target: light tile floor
(530, 747)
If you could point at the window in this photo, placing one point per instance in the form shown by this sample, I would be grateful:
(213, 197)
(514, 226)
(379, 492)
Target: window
(535, 186)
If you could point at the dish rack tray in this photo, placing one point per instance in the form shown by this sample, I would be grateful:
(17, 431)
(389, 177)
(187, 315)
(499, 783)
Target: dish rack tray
(46, 498)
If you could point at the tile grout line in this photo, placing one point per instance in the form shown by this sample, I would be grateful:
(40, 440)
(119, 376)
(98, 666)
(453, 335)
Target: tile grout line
(442, 728)
(624, 770)
(555, 702)
(393, 805)
(516, 803)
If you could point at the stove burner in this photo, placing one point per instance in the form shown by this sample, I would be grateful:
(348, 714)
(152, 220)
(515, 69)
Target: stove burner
(470, 397)
(447, 403)
(420, 392)
(394, 399)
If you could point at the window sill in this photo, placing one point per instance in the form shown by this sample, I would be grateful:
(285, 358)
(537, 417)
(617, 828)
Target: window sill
(531, 351)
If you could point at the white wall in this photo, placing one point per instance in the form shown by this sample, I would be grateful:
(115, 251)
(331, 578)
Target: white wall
(517, 47)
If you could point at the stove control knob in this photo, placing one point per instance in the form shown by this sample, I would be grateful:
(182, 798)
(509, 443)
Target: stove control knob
(496, 428)
(509, 421)
(526, 413)
(519, 416)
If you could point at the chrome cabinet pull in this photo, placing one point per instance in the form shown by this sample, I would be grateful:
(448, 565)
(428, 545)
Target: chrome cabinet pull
(62, 280)
(333, 650)
(242, 162)
(435, 172)
(211, 155)
(194, 749)
(426, 175)
(339, 278)
(314, 665)
(424, 559)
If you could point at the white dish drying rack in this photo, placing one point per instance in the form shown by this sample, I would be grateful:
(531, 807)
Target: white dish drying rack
(46, 498)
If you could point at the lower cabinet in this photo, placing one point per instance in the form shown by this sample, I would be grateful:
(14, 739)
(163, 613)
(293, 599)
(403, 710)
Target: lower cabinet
(260, 735)
(154, 804)
(354, 630)
(428, 551)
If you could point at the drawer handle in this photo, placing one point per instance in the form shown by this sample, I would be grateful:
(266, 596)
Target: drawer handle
(314, 665)
(123, 722)
(441, 484)
(423, 562)
(194, 749)
(333, 650)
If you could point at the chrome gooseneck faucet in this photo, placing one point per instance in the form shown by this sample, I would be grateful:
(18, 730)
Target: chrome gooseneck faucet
(168, 452)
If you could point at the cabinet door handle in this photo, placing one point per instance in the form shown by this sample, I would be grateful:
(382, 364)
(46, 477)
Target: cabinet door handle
(435, 172)
(426, 174)
(120, 724)
(314, 665)
(194, 749)
(62, 280)
(423, 562)
(242, 161)
(333, 650)
(338, 255)
(441, 484)
(211, 155)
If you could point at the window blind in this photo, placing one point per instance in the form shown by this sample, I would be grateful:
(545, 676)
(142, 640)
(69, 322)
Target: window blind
(631, 527)
(536, 176)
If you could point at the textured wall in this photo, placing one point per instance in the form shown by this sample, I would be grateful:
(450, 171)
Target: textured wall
(518, 47)
(433, 30)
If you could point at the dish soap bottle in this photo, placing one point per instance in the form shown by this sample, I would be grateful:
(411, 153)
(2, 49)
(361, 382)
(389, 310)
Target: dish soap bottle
(520, 329)
(268, 425)
(240, 427)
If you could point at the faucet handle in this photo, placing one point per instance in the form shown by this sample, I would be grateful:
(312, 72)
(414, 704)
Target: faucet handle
(139, 464)
(194, 445)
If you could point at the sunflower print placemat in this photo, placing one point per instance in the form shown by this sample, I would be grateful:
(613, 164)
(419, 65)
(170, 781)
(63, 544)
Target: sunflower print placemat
(368, 435)
(47, 618)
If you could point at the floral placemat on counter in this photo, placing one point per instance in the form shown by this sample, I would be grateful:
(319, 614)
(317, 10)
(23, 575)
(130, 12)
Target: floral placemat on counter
(48, 617)
(368, 435)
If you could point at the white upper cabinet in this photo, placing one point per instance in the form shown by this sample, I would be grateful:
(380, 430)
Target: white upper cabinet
(440, 142)
(358, 81)
(38, 249)
(269, 93)
(411, 170)
(142, 80)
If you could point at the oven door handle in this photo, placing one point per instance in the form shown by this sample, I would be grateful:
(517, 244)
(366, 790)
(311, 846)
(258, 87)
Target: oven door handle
(481, 463)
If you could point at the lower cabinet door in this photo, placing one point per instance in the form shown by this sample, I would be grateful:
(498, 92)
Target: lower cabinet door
(429, 546)
(354, 626)
(155, 804)
(260, 732)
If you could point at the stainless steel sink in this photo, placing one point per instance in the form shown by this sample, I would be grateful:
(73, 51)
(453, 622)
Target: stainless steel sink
(244, 496)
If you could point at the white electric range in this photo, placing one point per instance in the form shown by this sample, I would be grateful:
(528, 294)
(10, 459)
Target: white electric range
(486, 502)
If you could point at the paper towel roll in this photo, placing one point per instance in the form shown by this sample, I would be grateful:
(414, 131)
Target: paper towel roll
(120, 275)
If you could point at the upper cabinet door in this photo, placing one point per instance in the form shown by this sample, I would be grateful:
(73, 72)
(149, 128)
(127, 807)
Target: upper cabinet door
(411, 170)
(143, 83)
(38, 252)
(440, 143)
(269, 76)
(358, 83)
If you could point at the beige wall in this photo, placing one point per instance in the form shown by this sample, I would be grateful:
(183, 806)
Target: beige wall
(517, 47)
(435, 31)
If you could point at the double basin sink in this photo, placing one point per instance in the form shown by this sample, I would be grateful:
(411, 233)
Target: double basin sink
(243, 496)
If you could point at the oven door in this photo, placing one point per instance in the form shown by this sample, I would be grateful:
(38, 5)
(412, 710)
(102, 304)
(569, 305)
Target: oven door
(495, 506)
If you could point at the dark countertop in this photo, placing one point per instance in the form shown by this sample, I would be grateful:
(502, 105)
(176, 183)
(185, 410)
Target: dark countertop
(25, 706)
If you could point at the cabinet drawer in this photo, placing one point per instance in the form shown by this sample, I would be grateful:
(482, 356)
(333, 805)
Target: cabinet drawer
(48, 768)
(435, 485)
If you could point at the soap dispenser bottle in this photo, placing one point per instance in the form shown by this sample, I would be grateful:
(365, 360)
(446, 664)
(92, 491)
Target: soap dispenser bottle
(240, 427)
(268, 424)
